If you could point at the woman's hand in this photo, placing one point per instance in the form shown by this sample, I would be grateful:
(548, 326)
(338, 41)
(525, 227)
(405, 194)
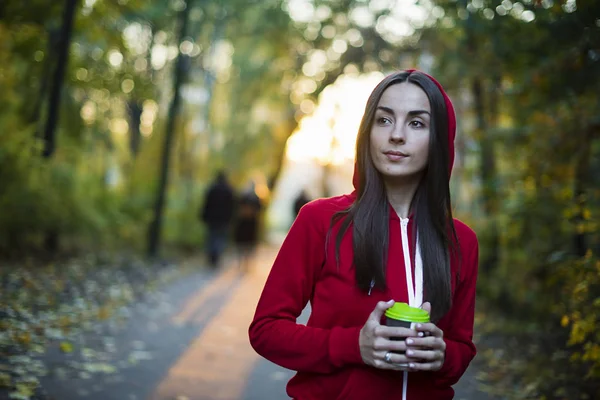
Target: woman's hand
(376, 346)
(427, 352)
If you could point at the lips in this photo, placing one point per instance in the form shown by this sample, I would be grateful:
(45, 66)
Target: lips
(395, 156)
(395, 153)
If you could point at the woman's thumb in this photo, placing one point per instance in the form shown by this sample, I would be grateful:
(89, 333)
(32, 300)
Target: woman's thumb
(426, 306)
(379, 310)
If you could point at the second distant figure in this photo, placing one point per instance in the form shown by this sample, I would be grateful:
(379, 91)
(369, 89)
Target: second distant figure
(246, 230)
(299, 201)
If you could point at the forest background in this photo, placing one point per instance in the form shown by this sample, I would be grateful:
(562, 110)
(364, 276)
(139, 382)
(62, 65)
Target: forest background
(115, 115)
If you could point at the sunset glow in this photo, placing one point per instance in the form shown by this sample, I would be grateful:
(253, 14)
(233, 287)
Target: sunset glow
(328, 136)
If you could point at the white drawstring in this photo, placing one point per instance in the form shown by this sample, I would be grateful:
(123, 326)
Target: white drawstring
(415, 292)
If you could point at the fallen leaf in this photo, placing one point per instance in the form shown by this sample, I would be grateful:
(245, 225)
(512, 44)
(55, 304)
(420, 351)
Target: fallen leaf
(66, 347)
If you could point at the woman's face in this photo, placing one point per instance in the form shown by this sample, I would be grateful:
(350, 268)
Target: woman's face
(400, 132)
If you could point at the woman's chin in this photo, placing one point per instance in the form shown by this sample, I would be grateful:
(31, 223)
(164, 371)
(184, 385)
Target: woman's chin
(401, 176)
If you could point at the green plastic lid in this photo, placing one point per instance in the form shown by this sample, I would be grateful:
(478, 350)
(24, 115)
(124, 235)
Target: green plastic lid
(404, 312)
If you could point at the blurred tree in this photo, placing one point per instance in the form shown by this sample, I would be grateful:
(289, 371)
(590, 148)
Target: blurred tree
(62, 58)
(179, 75)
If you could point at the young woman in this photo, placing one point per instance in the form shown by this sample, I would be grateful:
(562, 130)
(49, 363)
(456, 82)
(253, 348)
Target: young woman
(352, 256)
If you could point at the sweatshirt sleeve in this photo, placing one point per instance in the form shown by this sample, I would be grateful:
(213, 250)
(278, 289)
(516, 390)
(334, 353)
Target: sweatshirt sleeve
(460, 349)
(274, 333)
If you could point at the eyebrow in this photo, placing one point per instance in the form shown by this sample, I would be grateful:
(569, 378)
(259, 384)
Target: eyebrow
(410, 113)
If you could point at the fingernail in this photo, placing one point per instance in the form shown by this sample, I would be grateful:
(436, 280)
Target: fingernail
(420, 334)
(390, 301)
(411, 365)
(419, 325)
(410, 352)
(409, 341)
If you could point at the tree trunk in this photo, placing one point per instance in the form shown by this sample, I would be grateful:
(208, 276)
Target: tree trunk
(51, 240)
(59, 73)
(292, 124)
(53, 42)
(156, 225)
(149, 68)
(136, 104)
(199, 139)
(210, 80)
(134, 108)
(186, 166)
(487, 172)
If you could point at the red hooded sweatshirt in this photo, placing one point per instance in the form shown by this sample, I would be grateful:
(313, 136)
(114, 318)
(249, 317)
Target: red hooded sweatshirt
(325, 353)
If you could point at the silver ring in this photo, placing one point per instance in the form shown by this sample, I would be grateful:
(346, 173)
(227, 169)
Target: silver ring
(388, 357)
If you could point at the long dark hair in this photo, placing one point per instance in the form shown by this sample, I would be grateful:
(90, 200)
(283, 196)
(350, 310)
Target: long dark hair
(431, 205)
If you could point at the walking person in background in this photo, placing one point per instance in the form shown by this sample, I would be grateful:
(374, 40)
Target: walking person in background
(246, 230)
(353, 256)
(217, 213)
(299, 201)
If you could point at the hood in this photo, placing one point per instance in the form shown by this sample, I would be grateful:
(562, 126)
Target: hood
(451, 126)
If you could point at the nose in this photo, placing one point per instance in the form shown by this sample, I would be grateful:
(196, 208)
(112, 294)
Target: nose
(397, 135)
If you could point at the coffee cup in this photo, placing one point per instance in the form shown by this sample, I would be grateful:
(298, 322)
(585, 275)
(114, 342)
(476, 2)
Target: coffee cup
(404, 316)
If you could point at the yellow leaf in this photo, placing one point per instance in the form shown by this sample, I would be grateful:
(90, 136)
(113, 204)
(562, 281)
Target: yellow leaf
(587, 214)
(564, 321)
(66, 347)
